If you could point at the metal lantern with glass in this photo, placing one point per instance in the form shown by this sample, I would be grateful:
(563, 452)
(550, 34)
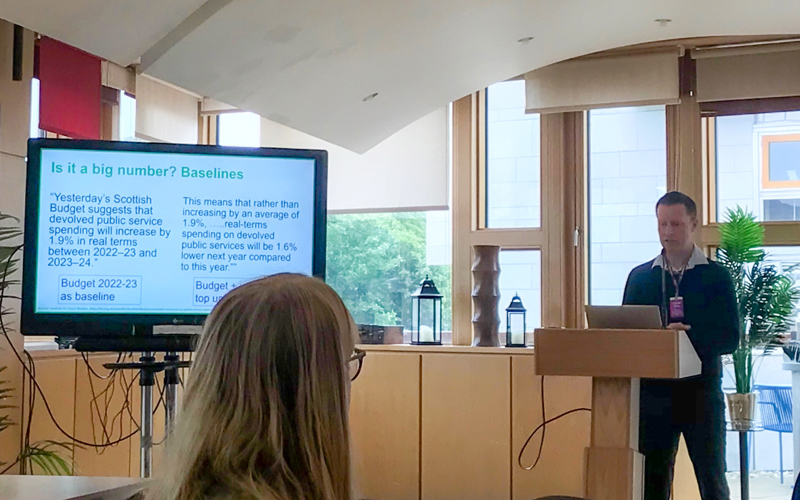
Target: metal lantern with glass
(516, 335)
(426, 314)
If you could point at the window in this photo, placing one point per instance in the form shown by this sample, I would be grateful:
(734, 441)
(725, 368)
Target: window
(513, 158)
(627, 176)
(781, 210)
(521, 274)
(376, 261)
(757, 160)
(769, 370)
(239, 129)
(127, 117)
(754, 164)
(780, 167)
(34, 128)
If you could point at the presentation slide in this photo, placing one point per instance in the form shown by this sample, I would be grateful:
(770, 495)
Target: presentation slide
(161, 233)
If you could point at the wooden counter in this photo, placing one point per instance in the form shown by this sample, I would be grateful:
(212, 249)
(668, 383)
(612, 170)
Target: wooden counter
(428, 422)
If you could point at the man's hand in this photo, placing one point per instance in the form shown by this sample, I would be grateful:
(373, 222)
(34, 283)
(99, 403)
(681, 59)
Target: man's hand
(678, 326)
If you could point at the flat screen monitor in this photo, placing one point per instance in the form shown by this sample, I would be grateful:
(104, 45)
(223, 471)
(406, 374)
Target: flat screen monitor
(123, 235)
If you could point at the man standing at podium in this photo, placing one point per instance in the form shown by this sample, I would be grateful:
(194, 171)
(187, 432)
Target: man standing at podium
(695, 295)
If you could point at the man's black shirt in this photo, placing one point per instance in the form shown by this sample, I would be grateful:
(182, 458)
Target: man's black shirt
(709, 303)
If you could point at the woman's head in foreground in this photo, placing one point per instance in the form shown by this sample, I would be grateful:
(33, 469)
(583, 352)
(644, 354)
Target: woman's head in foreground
(265, 409)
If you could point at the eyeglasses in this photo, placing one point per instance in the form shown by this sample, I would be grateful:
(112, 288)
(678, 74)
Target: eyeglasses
(356, 360)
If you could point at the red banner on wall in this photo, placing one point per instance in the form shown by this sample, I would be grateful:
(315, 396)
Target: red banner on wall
(70, 90)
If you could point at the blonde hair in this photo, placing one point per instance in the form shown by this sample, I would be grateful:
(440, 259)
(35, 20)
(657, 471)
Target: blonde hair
(265, 410)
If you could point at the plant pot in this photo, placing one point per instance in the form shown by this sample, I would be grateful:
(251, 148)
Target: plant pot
(742, 410)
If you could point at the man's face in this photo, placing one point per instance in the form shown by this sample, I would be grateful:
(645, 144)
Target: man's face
(675, 227)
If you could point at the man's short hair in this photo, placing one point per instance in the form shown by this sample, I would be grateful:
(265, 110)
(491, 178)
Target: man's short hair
(678, 198)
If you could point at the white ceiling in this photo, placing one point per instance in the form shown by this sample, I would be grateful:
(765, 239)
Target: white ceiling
(309, 63)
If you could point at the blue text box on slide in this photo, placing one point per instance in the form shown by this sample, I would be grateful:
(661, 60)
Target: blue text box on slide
(86, 289)
(207, 291)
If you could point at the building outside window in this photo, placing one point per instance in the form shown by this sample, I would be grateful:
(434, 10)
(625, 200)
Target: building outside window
(758, 165)
(513, 158)
(627, 176)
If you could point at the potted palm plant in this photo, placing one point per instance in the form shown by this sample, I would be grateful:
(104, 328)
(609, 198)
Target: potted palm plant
(42, 456)
(766, 300)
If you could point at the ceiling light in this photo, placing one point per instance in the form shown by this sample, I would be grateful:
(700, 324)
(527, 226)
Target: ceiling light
(663, 22)
(370, 97)
(526, 40)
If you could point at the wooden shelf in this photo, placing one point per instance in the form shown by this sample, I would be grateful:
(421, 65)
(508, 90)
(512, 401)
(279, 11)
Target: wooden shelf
(447, 349)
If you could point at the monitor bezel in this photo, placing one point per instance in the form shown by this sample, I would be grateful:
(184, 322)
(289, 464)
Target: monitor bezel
(124, 324)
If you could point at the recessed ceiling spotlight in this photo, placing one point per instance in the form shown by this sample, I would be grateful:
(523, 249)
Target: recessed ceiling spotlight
(526, 40)
(663, 22)
(370, 97)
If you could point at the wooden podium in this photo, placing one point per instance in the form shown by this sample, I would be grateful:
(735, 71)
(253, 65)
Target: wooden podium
(616, 360)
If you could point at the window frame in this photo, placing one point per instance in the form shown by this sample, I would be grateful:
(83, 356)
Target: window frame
(667, 172)
(483, 171)
(766, 141)
(776, 233)
(560, 237)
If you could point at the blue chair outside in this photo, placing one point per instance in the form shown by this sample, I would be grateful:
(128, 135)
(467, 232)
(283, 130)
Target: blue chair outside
(775, 406)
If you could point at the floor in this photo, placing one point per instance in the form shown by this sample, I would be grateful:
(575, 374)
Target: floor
(763, 485)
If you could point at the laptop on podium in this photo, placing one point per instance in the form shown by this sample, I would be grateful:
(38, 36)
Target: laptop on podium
(624, 317)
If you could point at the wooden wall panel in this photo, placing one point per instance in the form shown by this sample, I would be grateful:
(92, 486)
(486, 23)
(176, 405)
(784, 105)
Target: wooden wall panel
(384, 421)
(67, 384)
(466, 427)
(561, 468)
(112, 460)
(56, 377)
(425, 424)
(14, 126)
(464, 214)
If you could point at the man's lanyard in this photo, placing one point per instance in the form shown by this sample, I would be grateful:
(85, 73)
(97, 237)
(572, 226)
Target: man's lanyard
(676, 281)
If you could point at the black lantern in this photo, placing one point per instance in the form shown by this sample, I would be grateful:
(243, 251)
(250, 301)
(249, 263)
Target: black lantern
(516, 336)
(426, 314)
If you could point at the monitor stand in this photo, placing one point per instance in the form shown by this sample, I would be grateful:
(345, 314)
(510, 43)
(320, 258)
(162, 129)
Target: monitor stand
(170, 345)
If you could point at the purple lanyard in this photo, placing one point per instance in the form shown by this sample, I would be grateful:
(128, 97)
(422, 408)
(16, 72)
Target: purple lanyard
(675, 281)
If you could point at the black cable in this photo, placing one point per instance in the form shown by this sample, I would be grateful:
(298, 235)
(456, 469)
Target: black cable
(31, 405)
(160, 390)
(107, 394)
(89, 366)
(127, 404)
(47, 405)
(543, 427)
(182, 371)
(31, 373)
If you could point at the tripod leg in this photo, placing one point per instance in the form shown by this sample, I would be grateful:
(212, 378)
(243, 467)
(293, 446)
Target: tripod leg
(146, 382)
(171, 392)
